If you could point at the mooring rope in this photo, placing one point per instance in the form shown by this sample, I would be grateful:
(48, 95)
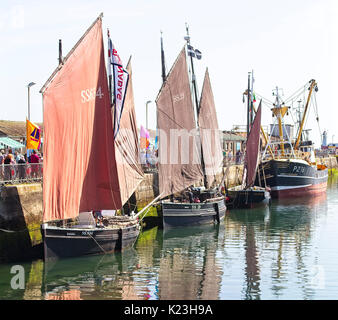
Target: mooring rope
(97, 244)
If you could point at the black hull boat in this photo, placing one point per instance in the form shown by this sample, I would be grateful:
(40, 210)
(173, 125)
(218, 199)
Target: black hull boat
(77, 240)
(76, 188)
(293, 177)
(190, 151)
(247, 198)
(249, 194)
(290, 167)
(193, 214)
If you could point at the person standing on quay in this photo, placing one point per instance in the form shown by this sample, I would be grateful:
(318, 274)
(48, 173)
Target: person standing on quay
(2, 157)
(8, 161)
(22, 167)
(35, 164)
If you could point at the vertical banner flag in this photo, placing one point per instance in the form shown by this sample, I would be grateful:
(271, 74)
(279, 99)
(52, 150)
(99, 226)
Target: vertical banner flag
(144, 138)
(120, 83)
(33, 135)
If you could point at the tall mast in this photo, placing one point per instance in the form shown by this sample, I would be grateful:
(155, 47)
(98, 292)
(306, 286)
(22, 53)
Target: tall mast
(280, 112)
(197, 109)
(193, 77)
(163, 61)
(60, 52)
(251, 99)
(248, 109)
(109, 72)
(299, 120)
(313, 84)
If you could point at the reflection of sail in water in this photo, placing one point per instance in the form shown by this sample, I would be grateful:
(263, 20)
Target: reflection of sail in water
(72, 294)
(287, 231)
(189, 268)
(252, 265)
(103, 277)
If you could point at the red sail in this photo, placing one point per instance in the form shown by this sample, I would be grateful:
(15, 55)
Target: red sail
(179, 158)
(210, 139)
(252, 149)
(127, 146)
(80, 171)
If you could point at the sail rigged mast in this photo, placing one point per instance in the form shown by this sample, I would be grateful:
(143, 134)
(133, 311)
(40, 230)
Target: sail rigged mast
(79, 134)
(196, 53)
(179, 162)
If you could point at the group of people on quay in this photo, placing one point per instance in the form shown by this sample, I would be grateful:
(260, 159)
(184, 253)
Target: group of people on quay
(149, 158)
(236, 158)
(18, 166)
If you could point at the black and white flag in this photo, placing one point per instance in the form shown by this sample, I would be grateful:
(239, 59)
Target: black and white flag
(195, 53)
(198, 54)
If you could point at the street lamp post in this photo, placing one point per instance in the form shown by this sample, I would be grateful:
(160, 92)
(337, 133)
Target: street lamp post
(29, 107)
(29, 86)
(147, 114)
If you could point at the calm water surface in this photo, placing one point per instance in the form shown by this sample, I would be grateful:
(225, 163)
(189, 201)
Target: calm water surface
(286, 251)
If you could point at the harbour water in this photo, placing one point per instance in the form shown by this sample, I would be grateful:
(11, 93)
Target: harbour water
(285, 251)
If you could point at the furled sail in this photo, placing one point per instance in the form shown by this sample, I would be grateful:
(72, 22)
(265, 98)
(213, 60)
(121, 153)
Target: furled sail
(210, 138)
(252, 149)
(179, 151)
(80, 172)
(127, 150)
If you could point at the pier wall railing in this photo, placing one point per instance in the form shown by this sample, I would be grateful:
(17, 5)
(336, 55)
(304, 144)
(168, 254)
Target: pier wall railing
(21, 173)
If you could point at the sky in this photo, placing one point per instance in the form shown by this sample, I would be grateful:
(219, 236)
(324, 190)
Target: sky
(286, 43)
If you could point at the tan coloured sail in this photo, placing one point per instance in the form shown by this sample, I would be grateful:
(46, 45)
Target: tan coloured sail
(210, 138)
(80, 171)
(179, 157)
(127, 151)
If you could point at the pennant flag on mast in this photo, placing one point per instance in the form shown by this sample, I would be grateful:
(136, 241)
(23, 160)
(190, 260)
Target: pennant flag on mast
(33, 139)
(120, 83)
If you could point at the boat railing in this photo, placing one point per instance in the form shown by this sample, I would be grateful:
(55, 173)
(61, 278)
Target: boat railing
(21, 173)
(296, 154)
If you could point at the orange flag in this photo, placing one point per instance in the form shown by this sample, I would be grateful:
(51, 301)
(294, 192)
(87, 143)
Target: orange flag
(33, 135)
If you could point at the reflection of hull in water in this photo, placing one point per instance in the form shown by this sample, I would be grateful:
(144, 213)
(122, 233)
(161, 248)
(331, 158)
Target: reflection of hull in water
(182, 232)
(192, 214)
(62, 242)
(207, 236)
(247, 198)
(257, 214)
(84, 273)
(189, 267)
(289, 215)
(309, 200)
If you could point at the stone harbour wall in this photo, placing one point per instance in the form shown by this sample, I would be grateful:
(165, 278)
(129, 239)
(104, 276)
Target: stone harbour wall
(20, 220)
(21, 210)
